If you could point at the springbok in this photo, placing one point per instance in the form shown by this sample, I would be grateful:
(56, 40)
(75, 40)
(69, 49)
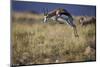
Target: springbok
(61, 14)
(87, 20)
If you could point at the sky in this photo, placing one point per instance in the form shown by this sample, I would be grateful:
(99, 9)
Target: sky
(78, 10)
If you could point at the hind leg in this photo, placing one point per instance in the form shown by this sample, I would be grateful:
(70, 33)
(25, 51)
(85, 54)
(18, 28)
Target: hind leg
(75, 32)
(74, 27)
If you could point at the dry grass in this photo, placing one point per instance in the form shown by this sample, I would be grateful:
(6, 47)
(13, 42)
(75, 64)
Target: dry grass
(39, 43)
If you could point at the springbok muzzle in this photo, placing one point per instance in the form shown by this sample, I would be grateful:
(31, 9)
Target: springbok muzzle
(45, 19)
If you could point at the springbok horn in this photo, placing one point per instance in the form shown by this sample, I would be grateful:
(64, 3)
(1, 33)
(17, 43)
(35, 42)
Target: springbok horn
(44, 11)
(47, 11)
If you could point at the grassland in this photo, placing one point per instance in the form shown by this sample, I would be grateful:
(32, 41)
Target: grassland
(34, 42)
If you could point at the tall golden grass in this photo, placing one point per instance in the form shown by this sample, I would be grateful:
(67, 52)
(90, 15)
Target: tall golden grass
(41, 43)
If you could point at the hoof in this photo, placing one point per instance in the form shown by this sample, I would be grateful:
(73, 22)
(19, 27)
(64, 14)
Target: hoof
(76, 35)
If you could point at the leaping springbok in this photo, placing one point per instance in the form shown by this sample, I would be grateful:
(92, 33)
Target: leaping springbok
(62, 14)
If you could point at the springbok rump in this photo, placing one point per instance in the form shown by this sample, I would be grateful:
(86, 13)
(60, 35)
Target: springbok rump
(61, 15)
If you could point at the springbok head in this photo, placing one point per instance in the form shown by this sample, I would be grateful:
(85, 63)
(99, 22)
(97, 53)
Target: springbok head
(45, 15)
